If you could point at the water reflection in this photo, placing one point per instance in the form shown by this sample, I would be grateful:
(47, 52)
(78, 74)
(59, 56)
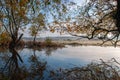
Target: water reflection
(3, 50)
(35, 64)
(48, 51)
(12, 70)
(36, 68)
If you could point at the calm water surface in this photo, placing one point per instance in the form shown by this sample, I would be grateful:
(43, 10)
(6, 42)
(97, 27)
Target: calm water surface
(65, 58)
(68, 57)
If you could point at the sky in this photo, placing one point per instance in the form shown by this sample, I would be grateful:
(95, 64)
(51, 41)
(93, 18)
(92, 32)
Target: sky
(79, 2)
(72, 8)
(49, 34)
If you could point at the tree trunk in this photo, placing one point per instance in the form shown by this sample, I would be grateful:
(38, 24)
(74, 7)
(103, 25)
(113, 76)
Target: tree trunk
(15, 40)
(34, 40)
(118, 15)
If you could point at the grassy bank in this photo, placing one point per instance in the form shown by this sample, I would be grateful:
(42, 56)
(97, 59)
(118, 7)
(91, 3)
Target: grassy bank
(85, 42)
(5, 44)
(43, 44)
(57, 43)
(31, 44)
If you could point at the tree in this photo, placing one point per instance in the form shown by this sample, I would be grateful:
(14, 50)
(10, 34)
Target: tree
(117, 16)
(14, 14)
(48, 8)
(103, 18)
(35, 12)
(97, 17)
(38, 23)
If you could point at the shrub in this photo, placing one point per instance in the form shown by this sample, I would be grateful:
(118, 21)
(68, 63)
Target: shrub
(4, 39)
(48, 41)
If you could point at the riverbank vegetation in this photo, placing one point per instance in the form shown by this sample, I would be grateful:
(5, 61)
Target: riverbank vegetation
(43, 44)
(96, 19)
(92, 19)
(5, 41)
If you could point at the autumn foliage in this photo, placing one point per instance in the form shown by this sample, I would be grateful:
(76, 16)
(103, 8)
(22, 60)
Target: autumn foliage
(4, 39)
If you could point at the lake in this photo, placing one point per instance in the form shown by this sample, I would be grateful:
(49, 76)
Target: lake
(61, 58)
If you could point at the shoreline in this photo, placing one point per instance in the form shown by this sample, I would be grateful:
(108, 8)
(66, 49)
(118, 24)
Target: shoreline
(73, 41)
(82, 42)
(86, 43)
(60, 42)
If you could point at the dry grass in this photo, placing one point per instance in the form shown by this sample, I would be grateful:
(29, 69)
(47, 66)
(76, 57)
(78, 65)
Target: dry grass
(85, 43)
(5, 44)
(31, 44)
